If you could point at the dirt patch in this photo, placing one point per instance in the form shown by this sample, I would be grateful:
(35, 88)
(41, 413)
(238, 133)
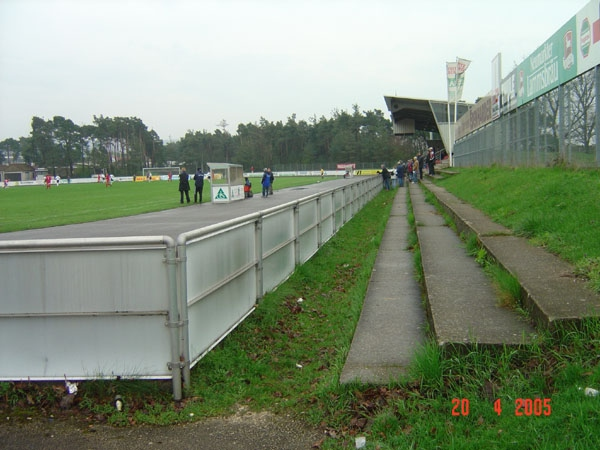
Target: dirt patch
(245, 430)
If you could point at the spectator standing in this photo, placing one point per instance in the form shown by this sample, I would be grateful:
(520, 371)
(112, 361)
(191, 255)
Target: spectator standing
(385, 174)
(409, 170)
(421, 159)
(184, 185)
(415, 169)
(266, 182)
(199, 183)
(400, 173)
(431, 161)
(272, 180)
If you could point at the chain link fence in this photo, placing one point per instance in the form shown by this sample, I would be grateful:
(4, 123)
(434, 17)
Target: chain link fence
(559, 127)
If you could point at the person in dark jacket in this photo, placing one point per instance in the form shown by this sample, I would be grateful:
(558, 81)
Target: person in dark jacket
(400, 169)
(422, 160)
(184, 185)
(272, 180)
(385, 174)
(199, 183)
(431, 161)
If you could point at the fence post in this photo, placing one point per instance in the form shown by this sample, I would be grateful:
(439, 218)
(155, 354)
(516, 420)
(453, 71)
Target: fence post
(319, 223)
(184, 345)
(296, 234)
(173, 321)
(258, 256)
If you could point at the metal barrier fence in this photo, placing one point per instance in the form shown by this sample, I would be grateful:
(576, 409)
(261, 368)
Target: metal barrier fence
(558, 127)
(152, 307)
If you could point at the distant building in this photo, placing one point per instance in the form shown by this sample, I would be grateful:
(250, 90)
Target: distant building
(17, 172)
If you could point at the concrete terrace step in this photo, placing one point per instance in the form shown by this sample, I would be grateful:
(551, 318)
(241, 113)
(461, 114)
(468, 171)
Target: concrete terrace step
(462, 304)
(550, 291)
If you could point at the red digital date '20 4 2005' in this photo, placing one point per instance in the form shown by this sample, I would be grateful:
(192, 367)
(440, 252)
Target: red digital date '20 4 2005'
(523, 407)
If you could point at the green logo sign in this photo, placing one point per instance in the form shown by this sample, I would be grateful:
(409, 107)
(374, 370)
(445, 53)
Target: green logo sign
(585, 37)
(221, 195)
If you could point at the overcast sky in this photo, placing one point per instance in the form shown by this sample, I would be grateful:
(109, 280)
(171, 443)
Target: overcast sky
(182, 65)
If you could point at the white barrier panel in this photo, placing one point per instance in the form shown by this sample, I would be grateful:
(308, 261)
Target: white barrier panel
(148, 307)
(308, 229)
(221, 284)
(84, 308)
(277, 247)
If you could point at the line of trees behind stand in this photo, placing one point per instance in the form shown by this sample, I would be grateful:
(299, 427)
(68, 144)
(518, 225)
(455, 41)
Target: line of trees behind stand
(125, 145)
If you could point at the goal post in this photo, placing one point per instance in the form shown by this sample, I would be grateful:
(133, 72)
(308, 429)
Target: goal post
(158, 171)
(158, 174)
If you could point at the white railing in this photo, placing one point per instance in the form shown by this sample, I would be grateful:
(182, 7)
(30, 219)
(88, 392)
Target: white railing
(152, 307)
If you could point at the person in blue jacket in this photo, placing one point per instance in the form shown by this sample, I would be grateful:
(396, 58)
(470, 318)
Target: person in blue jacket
(266, 183)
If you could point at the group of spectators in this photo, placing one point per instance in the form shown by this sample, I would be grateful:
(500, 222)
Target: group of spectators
(184, 185)
(411, 169)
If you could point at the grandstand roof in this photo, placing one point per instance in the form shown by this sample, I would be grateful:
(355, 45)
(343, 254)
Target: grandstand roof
(426, 114)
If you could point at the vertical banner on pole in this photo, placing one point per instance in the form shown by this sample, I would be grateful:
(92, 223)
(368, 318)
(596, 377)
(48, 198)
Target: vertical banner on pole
(461, 67)
(451, 77)
(455, 73)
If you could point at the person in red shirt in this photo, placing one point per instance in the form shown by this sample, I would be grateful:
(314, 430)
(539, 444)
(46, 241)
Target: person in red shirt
(48, 181)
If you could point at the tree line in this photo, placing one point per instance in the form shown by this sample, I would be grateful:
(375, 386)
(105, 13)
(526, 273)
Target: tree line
(125, 145)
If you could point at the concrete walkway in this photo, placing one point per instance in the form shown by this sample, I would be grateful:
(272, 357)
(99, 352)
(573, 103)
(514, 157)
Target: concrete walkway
(392, 322)
(461, 303)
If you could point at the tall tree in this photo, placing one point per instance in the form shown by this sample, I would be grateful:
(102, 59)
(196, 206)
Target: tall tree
(44, 150)
(66, 139)
(582, 97)
(9, 150)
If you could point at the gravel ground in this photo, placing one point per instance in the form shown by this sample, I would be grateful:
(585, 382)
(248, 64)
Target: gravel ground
(255, 431)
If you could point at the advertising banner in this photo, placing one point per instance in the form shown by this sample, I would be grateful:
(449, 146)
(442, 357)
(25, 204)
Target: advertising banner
(508, 93)
(461, 67)
(455, 73)
(588, 37)
(553, 63)
(451, 77)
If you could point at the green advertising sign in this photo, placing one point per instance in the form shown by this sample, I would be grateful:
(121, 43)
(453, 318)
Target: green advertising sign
(553, 63)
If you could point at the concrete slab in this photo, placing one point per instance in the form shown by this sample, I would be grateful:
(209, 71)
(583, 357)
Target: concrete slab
(462, 303)
(550, 290)
(392, 322)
